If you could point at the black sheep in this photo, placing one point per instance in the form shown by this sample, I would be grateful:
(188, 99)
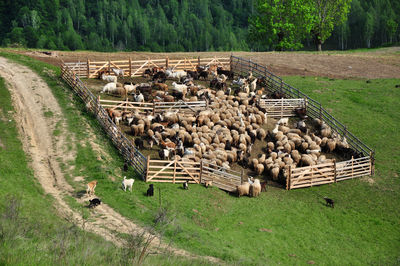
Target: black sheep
(193, 74)
(160, 75)
(139, 143)
(150, 191)
(94, 202)
(203, 74)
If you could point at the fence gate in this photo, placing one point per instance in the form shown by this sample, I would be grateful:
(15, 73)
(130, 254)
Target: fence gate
(173, 171)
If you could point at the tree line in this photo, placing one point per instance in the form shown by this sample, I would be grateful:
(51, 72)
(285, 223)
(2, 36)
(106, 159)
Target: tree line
(190, 25)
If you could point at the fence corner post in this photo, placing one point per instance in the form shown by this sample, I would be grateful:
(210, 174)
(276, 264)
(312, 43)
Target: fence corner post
(201, 170)
(130, 67)
(372, 163)
(241, 176)
(334, 170)
(288, 176)
(88, 68)
(147, 168)
(173, 180)
(166, 62)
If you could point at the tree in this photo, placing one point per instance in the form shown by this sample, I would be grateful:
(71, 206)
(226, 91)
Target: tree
(326, 14)
(281, 24)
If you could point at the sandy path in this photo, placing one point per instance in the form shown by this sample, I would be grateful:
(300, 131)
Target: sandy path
(32, 98)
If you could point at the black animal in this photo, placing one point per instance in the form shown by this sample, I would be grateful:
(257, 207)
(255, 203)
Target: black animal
(139, 143)
(150, 191)
(94, 202)
(148, 72)
(203, 74)
(125, 167)
(228, 145)
(160, 75)
(301, 112)
(177, 94)
(186, 185)
(227, 73)
(193, 74)
(329, 202)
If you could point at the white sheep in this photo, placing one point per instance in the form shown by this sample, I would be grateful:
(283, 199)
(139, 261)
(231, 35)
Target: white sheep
(109, 87)
(127, 183)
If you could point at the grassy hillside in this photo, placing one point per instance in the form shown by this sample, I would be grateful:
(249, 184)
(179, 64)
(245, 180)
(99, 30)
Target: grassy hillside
(363, 228)
(30, 232)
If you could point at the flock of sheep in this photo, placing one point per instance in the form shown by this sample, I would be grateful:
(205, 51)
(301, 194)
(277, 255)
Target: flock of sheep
(226, 131)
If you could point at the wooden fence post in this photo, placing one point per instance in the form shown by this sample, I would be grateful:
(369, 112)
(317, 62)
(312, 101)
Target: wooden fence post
(334, 170)
(352, 166)
(109, 66)
(201, 170)
(281, 107)
(241, 176)
(147, 168)
(173, 180)
(88, 68)
(230, 62)
(289, 176)
(130, 67)
(166, 62)
(371, 162)
(198, 61)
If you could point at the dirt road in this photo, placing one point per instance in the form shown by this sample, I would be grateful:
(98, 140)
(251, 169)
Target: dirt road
(37, 114)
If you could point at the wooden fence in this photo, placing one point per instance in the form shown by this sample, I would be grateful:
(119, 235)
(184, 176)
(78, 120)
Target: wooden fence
(173, 171)
(314, 108)
(195, 172)
(125, 146)
(282, 107)
(343, 170)
(155, 107)
(91, 69)
(222, 178)
(328, 173)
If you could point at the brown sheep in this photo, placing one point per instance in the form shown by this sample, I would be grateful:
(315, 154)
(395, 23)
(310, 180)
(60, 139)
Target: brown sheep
(259, 168)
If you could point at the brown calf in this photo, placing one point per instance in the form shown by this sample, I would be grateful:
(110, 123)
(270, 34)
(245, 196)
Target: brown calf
(90, 187)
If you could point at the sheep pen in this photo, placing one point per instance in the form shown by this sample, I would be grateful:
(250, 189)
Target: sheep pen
(232, 131)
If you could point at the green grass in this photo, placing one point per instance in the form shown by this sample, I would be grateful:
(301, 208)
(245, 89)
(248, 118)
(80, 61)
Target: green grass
(362, 229)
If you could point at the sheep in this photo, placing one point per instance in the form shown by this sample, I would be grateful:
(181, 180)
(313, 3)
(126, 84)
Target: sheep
(325, 130)
(243, 189)
(139, 98)
(261, 134)
(139, 143)
(182, 88)
(186, 185)
(118, 72)
(307, 160)
(109, 87)
(275, 172)
(255, 188)
(112, 79)
(177, 74)
(259, 168)
(127, 183)
(253, 85)
(90, 187)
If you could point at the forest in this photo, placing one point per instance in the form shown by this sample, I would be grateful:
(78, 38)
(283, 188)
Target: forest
(176, 25)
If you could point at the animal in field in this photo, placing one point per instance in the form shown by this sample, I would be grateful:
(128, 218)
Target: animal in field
(150, 191)
(186, 185)
(94, 202)
(208, 183)
(90, 187)
(139, 143)
(127, 183)
(329, 202)
(125, 167)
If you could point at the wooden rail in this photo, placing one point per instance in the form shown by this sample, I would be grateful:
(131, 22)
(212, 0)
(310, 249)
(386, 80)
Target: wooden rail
(328, 173)
(155, 107)
(282, 107)
(195, 172)
(125, 146)
(91, 69)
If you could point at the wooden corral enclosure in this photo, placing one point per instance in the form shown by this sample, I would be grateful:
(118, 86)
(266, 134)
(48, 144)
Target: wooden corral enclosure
(91, 69)
(198, 172)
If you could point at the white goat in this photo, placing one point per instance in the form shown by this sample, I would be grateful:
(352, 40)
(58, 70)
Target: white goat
(178, 74)
(118, 72)
(130, 88)
(253, 85)
(139, 98)
(109, 78)
(283, 121)
(180, 88)
(127, 183)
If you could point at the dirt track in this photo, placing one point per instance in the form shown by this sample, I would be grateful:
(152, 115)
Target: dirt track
(381, 63)
(32, 98)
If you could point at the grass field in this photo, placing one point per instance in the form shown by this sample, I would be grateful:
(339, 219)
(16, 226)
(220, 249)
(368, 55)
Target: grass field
(288, 227)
